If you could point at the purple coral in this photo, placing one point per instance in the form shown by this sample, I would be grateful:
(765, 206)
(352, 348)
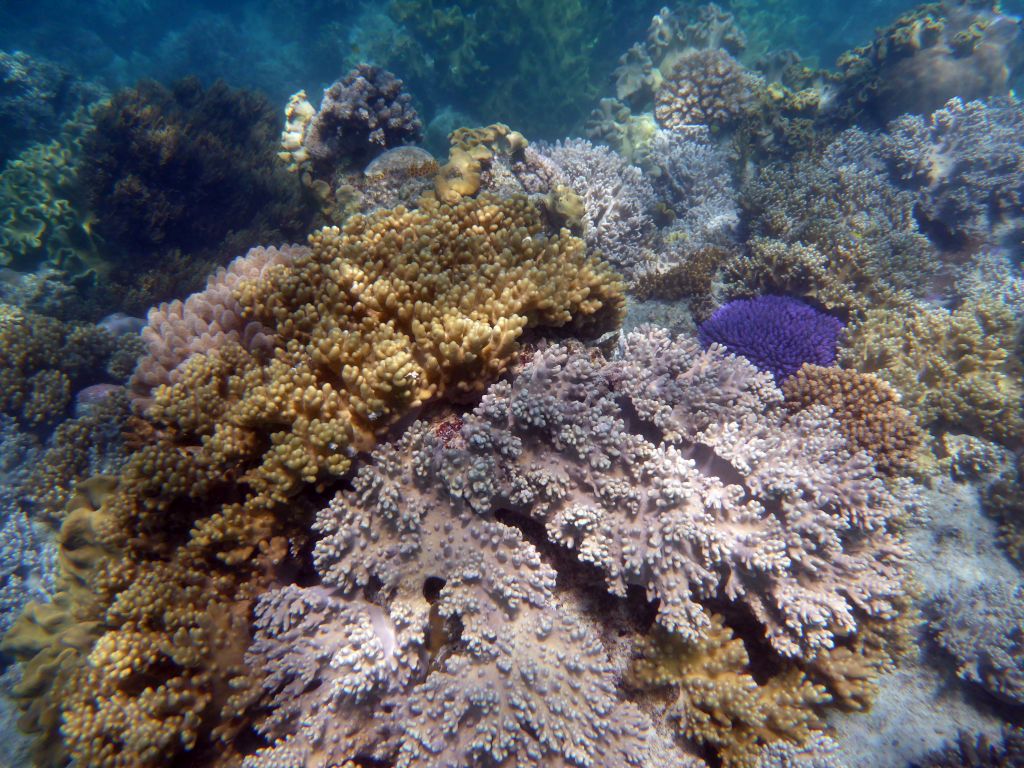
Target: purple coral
(778, 334)
(361, 116)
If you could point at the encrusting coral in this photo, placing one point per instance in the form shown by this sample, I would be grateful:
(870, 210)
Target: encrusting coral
(867, 409)
(399, 308)
(456, 623)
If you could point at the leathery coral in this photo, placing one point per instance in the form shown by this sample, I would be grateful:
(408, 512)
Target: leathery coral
(457, 622)
(397, 308)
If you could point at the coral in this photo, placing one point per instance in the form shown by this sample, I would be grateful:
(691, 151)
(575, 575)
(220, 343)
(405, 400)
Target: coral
(836, 232)
(36, 97)
(630, 135)
(49, 638)
(87, 445)
(44, 221)
(982, 628)
(26, 564)
(671, 36)
(778, 334)
(471, 152)
(955, 368)
(965, 163)
(359, 117)
(704, 88)
(617, 199)
(434, 583)
(867, 409)
(163, 169)
(929, 55)
(206, 320)
(718, 702)
(979, 752)
(213, 509)
(819, 751)
(44, 362)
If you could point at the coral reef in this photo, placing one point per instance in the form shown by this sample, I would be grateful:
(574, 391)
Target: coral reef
(719, 703)
(965, 163)
(979, 752)
(704, 88)
(672, 36)
(835, 232)
(955, 368)
(206, 320)
(360, 116)
(163, 170)
(867, 409)
(982, 628)
(44, 362)
(778, 334)
(213, 509)
(466, 540)
(929, 55)
(618, 202)
(36, 97)
(44, 217)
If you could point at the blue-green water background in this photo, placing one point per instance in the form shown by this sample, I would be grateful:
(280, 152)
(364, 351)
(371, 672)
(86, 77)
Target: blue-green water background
(537, 63)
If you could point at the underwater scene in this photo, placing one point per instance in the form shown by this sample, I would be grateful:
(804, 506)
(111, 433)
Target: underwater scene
(557, 383)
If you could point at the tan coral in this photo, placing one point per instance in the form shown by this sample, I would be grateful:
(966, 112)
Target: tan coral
(867, 409)
(719, 703)
(471, 150)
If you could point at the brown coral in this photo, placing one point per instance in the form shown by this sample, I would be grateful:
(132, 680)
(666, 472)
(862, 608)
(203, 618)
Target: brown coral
(867, 409)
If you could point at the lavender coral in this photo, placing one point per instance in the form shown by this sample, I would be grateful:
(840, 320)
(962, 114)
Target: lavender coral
(438, 635)
(778, 334)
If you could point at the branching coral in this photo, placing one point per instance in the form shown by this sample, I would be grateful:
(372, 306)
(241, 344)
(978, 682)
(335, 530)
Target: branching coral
(867, 409)
(954, 368)
(836, 232)
(360, 116)
(719, 703)
(671, 36)
(983, 630)
(965, 163)
(399, 308)
(204, 321)
(447, 637)
(44, 362)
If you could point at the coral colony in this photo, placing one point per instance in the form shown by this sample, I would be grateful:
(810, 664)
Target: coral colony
(451, 427)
